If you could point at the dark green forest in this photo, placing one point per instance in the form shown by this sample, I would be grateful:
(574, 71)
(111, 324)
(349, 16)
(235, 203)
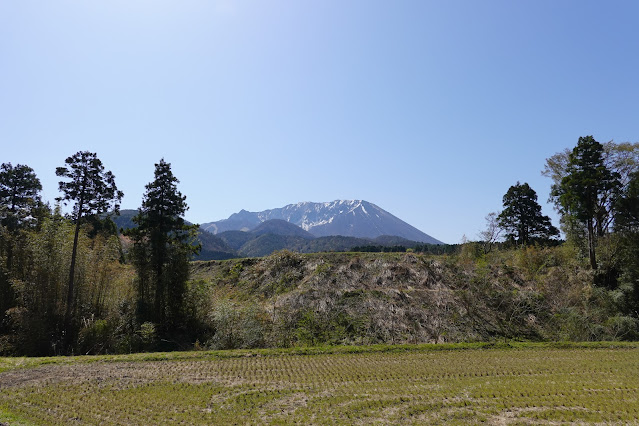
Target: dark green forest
(74, 284)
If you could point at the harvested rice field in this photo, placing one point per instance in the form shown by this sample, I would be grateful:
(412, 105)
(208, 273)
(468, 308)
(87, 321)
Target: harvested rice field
(423, 384)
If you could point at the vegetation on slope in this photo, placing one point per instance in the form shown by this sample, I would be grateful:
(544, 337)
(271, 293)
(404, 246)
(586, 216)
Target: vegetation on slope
(365, 298)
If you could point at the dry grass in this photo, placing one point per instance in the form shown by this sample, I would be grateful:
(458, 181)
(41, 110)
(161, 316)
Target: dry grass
(498, 386)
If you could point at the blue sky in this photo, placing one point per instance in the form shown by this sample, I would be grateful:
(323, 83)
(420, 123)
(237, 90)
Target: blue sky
(430, 110)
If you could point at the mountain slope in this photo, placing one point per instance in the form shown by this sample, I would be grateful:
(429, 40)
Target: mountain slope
(352, 218)
(281, 227)
(242, 221)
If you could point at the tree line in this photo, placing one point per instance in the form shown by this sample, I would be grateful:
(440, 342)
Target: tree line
(72, 284)
(59, 273)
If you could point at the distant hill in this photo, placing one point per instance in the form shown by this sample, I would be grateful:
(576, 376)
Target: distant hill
(265, 244)
(213, 247)
(242, 221)
(125, 219)
(235, 239)
(391, 240)
(350, 218)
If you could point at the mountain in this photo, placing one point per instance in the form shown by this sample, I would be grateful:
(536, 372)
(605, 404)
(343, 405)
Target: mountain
(242, 221)
(351, 218)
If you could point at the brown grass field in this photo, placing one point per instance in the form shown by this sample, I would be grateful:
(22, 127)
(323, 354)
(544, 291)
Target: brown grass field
(421, 384)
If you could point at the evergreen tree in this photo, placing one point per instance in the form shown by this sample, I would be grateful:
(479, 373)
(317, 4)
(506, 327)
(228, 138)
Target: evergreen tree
(19, 203)
(92, 191)
(627, 225)
(622, 158)
(19, 195)
(585, 192)
(162, 249)
(522, 218)
(627, 207)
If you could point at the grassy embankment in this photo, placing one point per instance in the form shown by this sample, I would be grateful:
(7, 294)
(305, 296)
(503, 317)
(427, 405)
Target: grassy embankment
(462, 383)
(288, 299)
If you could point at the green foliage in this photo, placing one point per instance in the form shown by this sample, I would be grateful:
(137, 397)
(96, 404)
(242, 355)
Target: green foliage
(20, 208)
(627, 206)
(255, 244)
(596, 191)
(310, 330)
(380, 249)
(522, 218)
(621, 158)
(237, 326)
(587, 191)
(627, 225)
(148, 334)
(92, 191)
(332, 327)
(470, 251)
(163, 245)
(19, 195)
(36, 323)
(90, 188)
(95, 336)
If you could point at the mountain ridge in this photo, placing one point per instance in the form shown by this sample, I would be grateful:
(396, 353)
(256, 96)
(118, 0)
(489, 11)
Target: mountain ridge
(351, 218)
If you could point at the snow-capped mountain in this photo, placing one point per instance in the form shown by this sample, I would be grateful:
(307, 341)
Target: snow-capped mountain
(352, 218)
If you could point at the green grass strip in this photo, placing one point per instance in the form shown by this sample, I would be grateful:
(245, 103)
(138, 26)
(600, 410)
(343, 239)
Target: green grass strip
(11, 363)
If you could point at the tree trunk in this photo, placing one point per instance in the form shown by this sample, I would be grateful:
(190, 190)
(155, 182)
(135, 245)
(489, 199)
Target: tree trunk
(591, 245)
(7, 295)
(70, 299)
(9, 257)
(160, 282)
(13, 232)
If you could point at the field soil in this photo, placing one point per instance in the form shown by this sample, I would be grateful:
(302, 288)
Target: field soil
(386, 385)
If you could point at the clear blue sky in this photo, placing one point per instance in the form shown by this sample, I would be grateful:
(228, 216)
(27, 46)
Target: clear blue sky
(429, 109)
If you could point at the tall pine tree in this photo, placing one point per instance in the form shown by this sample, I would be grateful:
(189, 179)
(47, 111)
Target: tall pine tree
(92, 191)
(162, 249)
